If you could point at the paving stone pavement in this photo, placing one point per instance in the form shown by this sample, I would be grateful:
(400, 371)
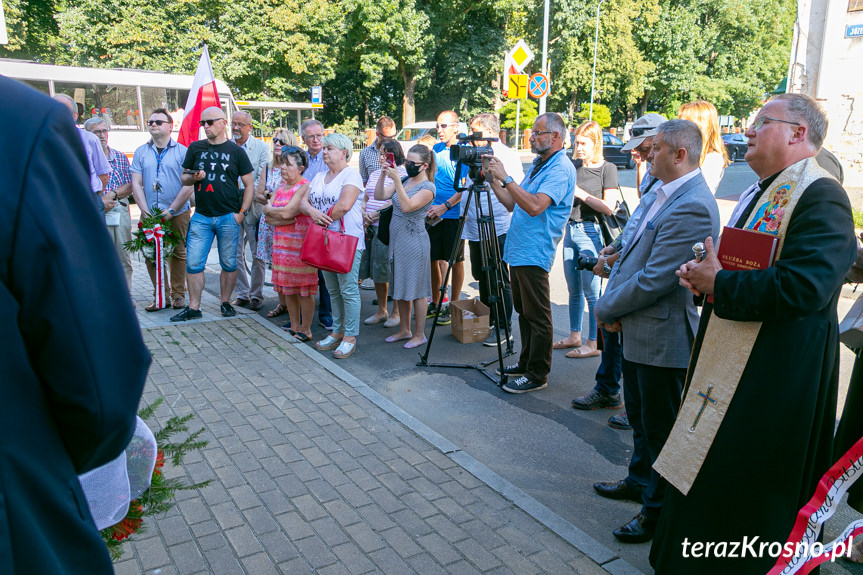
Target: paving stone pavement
(310, 474)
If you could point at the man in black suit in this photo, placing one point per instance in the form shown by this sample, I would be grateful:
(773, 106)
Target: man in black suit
(72, 368)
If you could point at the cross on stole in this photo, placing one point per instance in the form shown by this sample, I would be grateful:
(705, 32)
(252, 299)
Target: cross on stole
(703, 405)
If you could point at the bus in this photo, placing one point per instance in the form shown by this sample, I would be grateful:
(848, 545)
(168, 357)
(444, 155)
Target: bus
(123, 98)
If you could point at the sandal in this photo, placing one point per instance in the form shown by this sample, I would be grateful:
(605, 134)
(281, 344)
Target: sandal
(345, 350)
(301, 336)
(277, 311)
(578, 354)
(561, 344)
(328, 343)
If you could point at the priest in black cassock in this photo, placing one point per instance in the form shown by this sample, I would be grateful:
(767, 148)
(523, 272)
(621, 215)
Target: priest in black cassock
(755, 433)
(73, 362)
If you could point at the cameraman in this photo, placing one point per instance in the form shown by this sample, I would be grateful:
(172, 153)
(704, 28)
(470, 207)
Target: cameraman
(489, 126)
(540, 209)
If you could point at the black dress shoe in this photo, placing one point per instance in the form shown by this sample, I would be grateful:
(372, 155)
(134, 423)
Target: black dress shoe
(618, 490)
(639, 530)
(242, 302)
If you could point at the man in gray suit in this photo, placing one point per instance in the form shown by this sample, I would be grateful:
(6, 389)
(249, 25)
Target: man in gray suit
(656, 315)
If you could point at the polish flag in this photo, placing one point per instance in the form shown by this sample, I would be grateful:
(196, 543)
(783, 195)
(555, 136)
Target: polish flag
(203, 95)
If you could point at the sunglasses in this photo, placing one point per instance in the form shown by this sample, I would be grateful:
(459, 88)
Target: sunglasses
(289, 150)
(209, 122)
(410, 164)
(445, 126)
(636, 132)
(157, 122)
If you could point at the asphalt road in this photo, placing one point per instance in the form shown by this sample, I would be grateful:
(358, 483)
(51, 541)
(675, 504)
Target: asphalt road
(536, 440)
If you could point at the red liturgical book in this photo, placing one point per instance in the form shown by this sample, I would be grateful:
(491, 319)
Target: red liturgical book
(743, 250)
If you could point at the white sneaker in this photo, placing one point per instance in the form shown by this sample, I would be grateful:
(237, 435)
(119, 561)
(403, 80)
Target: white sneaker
(367, 284)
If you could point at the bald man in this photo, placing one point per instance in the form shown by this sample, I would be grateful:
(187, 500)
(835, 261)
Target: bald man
(214, 166)
(100, 169)
(250, 293)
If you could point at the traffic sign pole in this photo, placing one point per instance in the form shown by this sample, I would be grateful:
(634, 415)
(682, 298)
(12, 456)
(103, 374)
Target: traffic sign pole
(544, 52)
(517, 121)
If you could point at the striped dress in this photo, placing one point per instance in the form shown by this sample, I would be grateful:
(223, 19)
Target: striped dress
(290, 275)
(410, 251)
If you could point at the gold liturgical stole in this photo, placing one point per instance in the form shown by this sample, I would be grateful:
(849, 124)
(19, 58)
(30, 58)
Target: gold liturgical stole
(727, 344)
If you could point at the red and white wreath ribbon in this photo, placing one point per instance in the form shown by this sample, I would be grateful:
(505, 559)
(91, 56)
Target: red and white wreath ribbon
(155, 234)
(803, 552)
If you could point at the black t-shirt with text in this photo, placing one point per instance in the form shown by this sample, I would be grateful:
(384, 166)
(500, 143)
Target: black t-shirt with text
(218, 193)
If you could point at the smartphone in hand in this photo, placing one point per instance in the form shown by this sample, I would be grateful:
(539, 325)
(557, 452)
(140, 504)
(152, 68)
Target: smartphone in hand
(391, 159)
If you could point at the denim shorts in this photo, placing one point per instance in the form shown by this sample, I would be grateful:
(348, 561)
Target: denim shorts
(199, 240)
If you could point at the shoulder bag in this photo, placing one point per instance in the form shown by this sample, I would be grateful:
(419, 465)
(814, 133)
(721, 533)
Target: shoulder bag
(328, 250)
(612, 225)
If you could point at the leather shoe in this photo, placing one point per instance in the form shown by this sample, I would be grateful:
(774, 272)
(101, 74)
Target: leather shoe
(640, 529)
(618, 490)
(241, 302)
(256, 304)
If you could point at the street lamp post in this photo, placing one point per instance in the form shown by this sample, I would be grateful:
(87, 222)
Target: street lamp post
(595, 46)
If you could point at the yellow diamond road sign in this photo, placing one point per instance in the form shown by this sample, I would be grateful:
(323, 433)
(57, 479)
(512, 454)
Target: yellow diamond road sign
(520, 55)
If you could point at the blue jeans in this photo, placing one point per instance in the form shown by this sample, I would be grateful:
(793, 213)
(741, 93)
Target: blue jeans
(583, 284)
(611, 366)
(325, 307)
(345, 298)
(199, 240)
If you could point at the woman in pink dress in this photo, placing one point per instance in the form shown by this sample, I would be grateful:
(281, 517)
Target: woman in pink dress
(295, 282)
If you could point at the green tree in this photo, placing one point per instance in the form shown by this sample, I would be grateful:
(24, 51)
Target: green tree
(601, 115)
(529, 112)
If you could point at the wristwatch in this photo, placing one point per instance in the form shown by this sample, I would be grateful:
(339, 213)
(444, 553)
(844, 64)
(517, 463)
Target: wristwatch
(244, 212)
(507, 181)
(605, 267)
(171, 211)
(447, 204)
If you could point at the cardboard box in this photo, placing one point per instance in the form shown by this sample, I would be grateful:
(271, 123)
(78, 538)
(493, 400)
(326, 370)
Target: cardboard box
(473, 328)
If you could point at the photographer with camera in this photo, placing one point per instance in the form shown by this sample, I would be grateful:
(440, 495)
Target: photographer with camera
(489, 126)
(540, 208)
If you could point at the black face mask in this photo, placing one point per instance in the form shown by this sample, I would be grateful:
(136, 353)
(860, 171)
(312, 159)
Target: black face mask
(412, 169)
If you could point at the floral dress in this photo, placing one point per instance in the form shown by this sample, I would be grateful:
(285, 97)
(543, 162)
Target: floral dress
(290, 275)
(265, 230)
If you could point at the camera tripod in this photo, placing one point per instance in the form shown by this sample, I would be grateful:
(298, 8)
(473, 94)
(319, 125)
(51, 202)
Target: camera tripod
(490, 258)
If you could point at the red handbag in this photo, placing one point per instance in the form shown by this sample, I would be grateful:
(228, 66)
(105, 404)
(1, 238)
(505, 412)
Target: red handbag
(328, 250)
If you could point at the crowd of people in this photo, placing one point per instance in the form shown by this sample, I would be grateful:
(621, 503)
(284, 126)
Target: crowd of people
(660, 319)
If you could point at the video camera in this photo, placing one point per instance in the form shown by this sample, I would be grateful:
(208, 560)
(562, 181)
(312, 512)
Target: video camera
(467, 152)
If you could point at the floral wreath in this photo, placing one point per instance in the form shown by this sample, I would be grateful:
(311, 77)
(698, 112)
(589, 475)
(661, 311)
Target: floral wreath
(144, 238)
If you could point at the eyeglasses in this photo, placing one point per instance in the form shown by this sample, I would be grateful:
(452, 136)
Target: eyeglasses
(102, 131)
(445, 126)
(759, 123)
(542, 132)
(239, 125)
(157, 122)
(210, 122)
(313, 137)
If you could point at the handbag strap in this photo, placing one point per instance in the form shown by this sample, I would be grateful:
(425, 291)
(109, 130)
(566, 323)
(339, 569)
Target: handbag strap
(341, 219)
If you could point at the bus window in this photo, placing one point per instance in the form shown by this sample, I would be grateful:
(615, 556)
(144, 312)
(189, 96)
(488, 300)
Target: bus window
(117, 105)
(171, 99)
(41, 85)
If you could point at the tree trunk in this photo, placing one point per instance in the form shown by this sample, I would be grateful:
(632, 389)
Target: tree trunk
(573, 100)
(410, 81)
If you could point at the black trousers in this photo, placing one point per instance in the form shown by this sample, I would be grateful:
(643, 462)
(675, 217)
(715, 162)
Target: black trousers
(484, 288)
(652, 399)
(532, 300)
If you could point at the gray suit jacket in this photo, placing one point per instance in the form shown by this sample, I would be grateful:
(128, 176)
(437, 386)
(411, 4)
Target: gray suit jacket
(658, 316)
